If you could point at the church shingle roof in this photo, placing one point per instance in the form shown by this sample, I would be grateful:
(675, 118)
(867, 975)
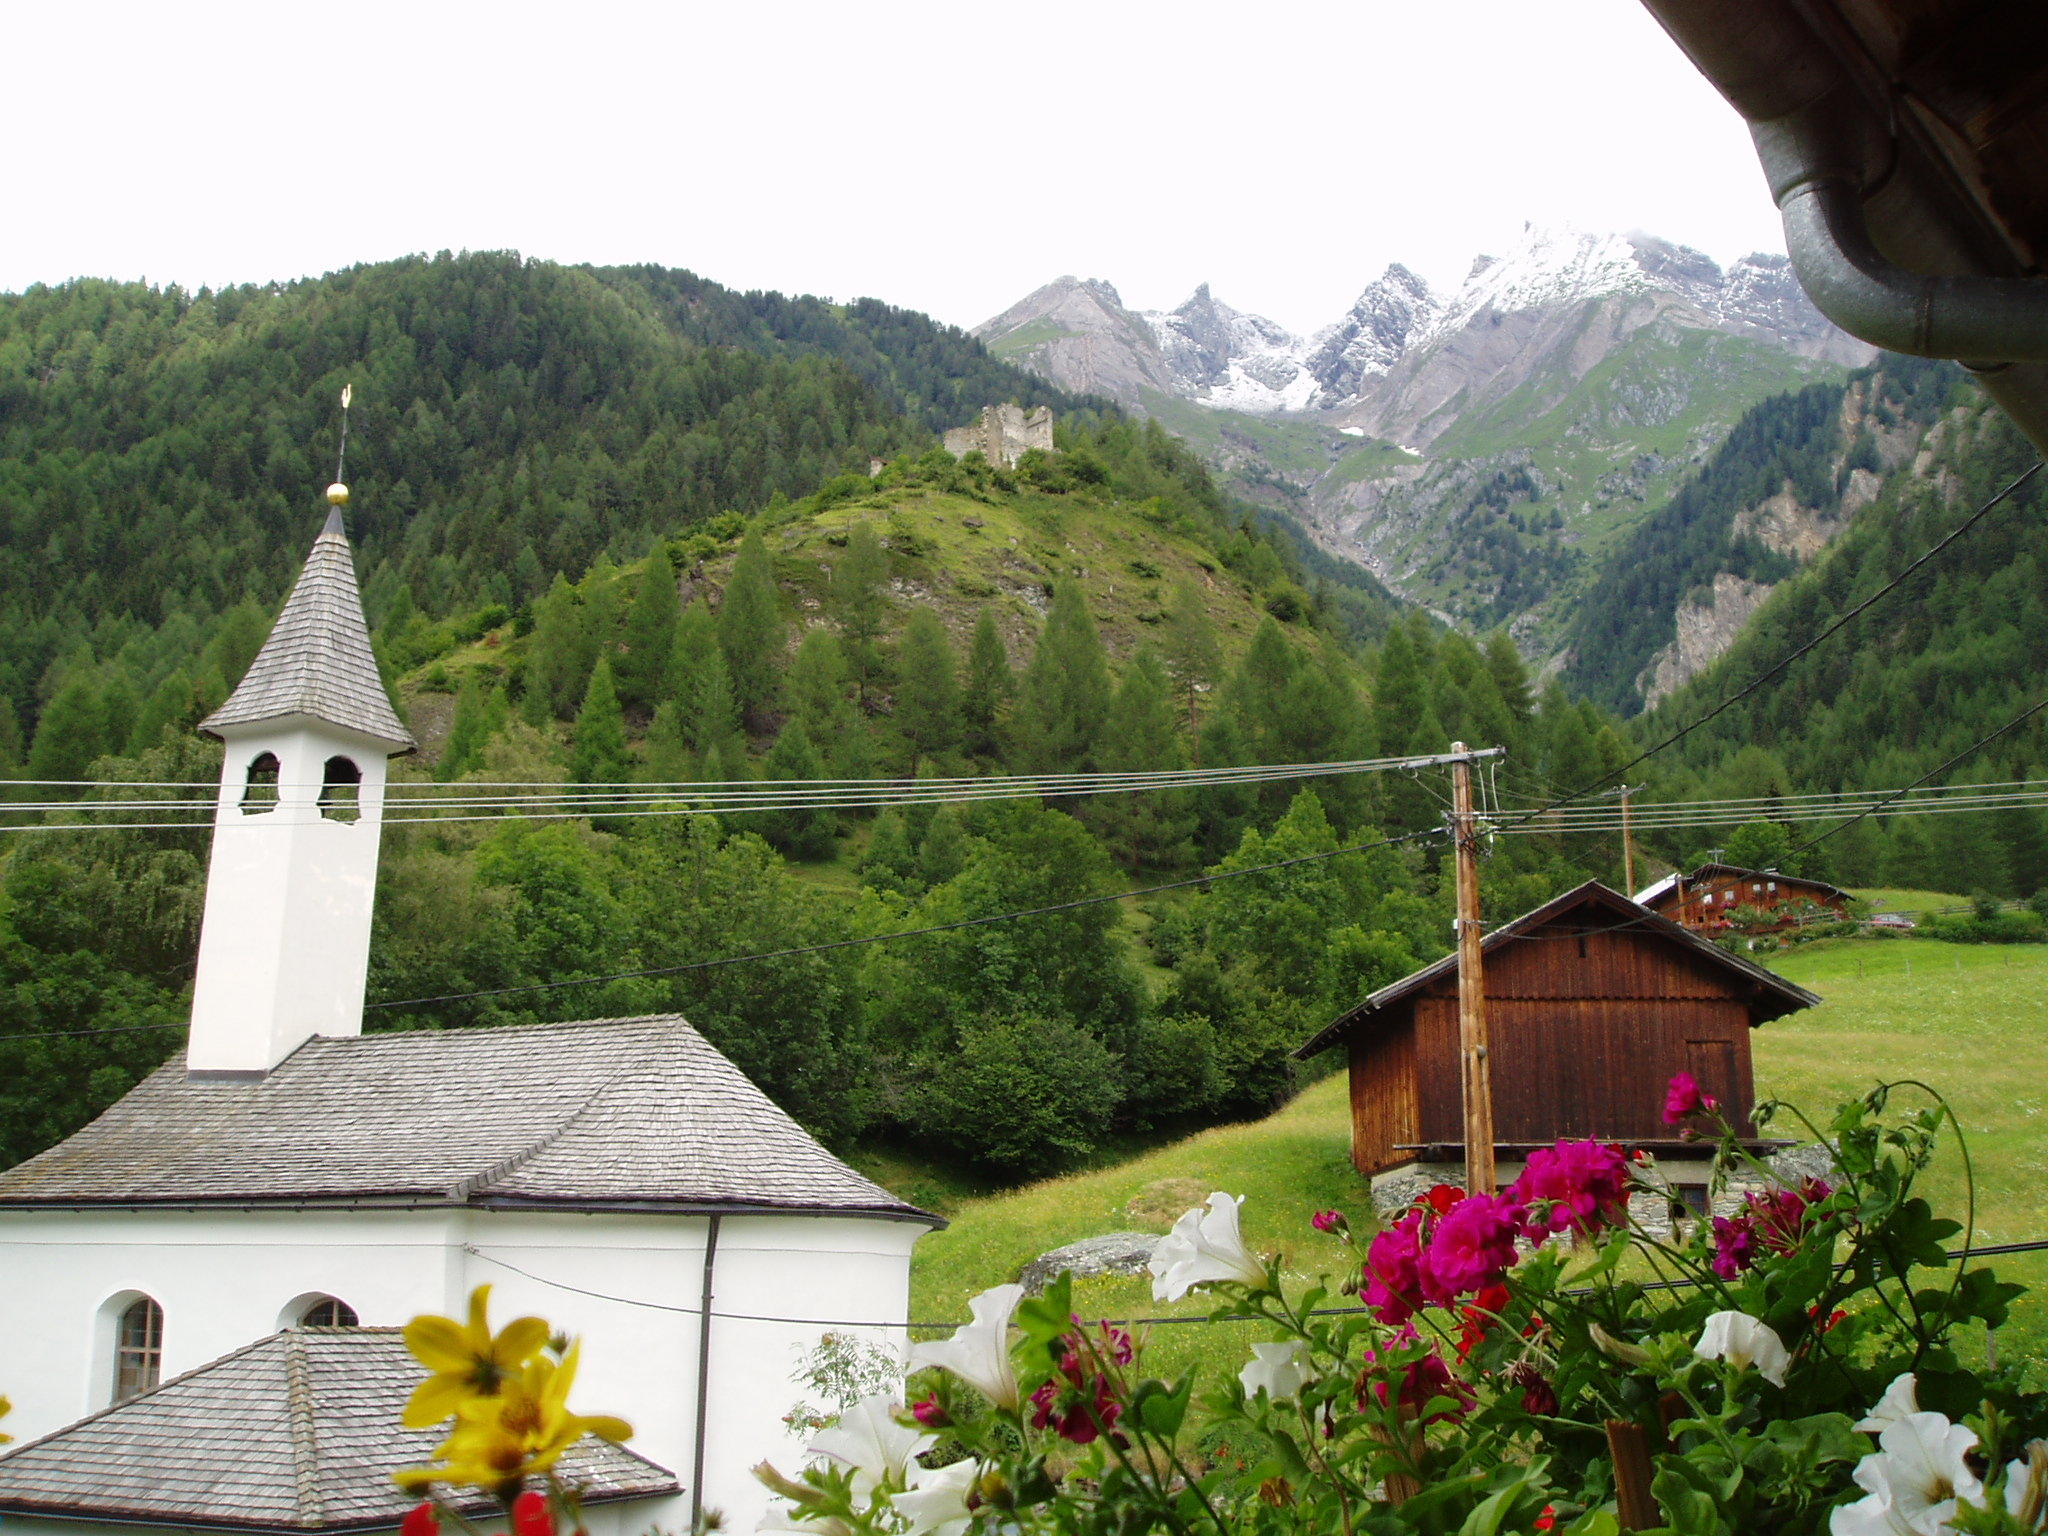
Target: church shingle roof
(317, 660)
(637, 1113)
(295, 1432)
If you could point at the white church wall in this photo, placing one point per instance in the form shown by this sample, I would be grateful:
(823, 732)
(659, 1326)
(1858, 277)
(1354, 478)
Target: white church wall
(222, 1279)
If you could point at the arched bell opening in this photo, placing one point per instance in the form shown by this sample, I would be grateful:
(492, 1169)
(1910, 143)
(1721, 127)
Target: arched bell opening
(259, 787)
(341, 789)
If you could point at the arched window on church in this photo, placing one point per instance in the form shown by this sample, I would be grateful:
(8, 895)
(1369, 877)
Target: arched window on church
(341, 790)
(259, 792)
(329, 1312)
(138, 1348)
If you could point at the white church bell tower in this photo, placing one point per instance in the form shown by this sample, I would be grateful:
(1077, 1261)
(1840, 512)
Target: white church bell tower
(284, 949)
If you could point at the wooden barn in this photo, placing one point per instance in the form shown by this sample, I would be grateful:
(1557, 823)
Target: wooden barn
(1704, 898)
(1592, 1004)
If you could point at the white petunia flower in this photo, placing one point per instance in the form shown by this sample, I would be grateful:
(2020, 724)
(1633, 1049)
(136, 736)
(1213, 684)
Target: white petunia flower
(979, 1352)
(1900, 1399)
(2026, 1486)
(1744, 1342)
(1275, 1370)
(1203, 1246)
(869, 1439)
(1914, 1482)
(936, 1504)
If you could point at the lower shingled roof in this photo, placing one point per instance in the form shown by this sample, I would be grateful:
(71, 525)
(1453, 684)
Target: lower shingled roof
(295, 1432)
(641, 1113)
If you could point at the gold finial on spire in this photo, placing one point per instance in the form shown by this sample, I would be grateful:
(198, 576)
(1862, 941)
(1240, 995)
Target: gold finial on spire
(337, 493)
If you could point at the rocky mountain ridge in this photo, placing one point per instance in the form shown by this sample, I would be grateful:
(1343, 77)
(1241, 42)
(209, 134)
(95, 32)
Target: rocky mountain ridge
(1477, 449)
(1080, 334)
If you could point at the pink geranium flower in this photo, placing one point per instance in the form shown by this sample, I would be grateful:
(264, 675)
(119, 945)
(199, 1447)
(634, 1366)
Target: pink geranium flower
(1420, 1382)
(1683, 1099)
(1393, 1287)
(1734, 1245)
(1472, 1246)
(1576, 1185)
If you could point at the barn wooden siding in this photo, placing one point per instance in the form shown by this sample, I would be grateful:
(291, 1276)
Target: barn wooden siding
(1586, 1027)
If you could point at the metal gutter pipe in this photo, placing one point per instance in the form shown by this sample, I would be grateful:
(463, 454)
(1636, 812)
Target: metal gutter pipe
(1978, 320)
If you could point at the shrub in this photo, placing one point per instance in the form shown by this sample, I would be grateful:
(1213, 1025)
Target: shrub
(1170, 1071)
(1021, 1097)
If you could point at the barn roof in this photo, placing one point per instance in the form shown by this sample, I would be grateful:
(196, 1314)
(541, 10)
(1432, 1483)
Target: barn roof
(317, 660)
(1777, 995)
(1650, 895)
(638, 1113)
(295, 1432)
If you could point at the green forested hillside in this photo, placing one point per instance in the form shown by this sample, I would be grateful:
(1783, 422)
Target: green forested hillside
(1099, 609)
(1799, 445)
(1957, 651)
(517, 417)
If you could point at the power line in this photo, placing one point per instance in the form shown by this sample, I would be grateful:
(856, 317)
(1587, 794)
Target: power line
(2018, 720)
(1770, 672)
(909, 933)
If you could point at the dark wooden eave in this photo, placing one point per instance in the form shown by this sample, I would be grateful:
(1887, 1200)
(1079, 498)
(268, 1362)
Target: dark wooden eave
(1770, 995)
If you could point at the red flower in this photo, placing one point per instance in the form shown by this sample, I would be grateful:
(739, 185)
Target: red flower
(928, 1413)
(1834, 1317)
(1538, 1395)
(1580, 1185)
(1473, 1246)
(1422, 1381)
(1329, 1221)
(531, 1515)
(1683, 1099)
(420, 1520)
(1079, 1404)
(1548, 1518)
(1479, 1315)
(1441, 1197)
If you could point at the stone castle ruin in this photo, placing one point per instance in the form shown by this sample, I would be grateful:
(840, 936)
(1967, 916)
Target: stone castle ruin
(1002, 433)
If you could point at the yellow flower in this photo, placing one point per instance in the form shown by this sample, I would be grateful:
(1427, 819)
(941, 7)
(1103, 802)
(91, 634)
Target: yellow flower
(468, 1362)
(499, 1441)
(6, 1408)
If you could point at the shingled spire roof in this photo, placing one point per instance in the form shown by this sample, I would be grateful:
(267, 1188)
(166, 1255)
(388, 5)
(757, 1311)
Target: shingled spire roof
(317, 660)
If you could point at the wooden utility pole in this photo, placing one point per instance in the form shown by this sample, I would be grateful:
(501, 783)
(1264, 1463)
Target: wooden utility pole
(1477, 1072)
(1628, 849)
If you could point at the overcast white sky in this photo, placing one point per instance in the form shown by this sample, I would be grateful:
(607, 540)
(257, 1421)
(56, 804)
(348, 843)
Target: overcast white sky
(946, 157)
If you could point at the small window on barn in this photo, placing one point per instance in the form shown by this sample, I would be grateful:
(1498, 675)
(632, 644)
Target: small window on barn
(259, 790)
(329, 1312)
(1693, 1197)
(1755, 889)
(341, 790)
(1771, 886)
(138, 1348)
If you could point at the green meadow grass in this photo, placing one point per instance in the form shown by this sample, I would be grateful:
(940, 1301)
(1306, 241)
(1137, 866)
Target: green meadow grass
(1970, 1020)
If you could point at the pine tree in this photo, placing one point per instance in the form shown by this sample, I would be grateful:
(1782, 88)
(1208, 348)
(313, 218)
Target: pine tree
(1400, 694)
(991, 685)
(699, 685)
(798, 830)
(889, 864)
(1258, 690)
(1066, 690)
(1151, 826)
(1192, 656)
(560, 654)
(479, 712)
(943, 853)
(599, 753)
(70, 735)
(819, 695)
(650, 632)
(927, 689)
(860, 605)
(750, 630)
